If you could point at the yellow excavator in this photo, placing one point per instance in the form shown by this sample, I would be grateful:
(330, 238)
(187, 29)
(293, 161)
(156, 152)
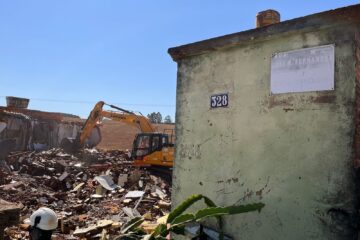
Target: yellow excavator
(150, 148)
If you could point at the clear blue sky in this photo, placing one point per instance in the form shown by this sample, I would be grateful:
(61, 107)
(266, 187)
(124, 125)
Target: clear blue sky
(66, 55)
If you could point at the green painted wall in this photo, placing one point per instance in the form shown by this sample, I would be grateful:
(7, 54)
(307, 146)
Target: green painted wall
(294, 152)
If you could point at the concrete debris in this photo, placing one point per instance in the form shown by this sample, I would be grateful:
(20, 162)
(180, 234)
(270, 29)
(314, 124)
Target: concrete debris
(84, 231)
(81, 190)
(9, 215)
(131, 212)
(100, 190)
(147, 216)
(107, 182)
(193, 230)
(104, 223)
(160, 193)
(135, 176)
(78, 187)
(164, 204)
(63, 176)
(127, 201)
(134, 194)
(122, 180)
(96, 196)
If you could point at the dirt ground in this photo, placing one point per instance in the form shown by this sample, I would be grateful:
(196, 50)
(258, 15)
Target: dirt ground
(120, 136)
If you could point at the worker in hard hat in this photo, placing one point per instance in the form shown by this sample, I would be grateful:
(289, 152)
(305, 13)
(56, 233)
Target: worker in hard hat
(42, 224)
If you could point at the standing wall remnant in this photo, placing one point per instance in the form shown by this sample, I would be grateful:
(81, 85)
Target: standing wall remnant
(35, 130)
(296, 149)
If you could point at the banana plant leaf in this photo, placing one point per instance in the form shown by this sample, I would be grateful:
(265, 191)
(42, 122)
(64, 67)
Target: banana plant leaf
(183, 206)
(159, 230)
(182, 219)
(219, 211)
(132, 225)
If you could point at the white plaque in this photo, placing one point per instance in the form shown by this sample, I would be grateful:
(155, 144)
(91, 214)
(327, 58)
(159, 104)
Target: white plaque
(303, 70)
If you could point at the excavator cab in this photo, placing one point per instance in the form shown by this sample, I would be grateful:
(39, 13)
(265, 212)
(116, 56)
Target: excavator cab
(147, 143)
(150, 148)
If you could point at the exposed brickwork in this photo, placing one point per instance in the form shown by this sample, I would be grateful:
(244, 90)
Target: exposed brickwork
(288, 101)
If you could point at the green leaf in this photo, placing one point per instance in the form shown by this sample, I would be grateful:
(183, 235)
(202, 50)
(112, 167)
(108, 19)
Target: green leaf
(246, 208)
(132, 225)
(159, 229)
(221, 223)
(209, 202)
(211, 212)
(129, 236)
(219, 211)
(139, 231)
(147, 237)
(178, 230)
(184, 218)
(183, 206)
(160, 238)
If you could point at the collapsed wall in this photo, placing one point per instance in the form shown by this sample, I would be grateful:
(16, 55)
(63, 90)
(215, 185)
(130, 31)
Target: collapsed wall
(36, 130)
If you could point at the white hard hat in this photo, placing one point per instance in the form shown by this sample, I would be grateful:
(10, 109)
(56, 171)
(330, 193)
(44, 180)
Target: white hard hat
(48, 219)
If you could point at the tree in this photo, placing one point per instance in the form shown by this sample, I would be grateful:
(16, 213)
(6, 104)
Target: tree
(167, 119)
(155, 117)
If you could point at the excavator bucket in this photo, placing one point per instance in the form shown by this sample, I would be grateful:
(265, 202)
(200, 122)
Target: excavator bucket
(70, 145)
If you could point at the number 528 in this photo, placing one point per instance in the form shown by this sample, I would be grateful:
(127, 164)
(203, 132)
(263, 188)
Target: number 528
(219, 100)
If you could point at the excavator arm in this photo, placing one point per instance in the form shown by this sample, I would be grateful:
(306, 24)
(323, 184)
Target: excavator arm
(149, 148)
(91, 121)
(138, 121)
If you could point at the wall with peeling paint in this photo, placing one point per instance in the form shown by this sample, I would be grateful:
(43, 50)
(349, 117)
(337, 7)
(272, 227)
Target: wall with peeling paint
(294, 152)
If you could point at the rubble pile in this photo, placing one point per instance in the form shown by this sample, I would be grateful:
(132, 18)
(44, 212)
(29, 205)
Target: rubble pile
(93, 192)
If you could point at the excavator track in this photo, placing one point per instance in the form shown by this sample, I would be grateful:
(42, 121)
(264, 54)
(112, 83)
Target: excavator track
(163, 172)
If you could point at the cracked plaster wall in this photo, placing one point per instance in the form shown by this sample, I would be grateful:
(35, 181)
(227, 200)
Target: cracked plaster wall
(294, 152)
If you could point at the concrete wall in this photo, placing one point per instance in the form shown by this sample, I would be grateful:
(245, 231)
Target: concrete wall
(293, 152)
(36, 134)
(19, 127)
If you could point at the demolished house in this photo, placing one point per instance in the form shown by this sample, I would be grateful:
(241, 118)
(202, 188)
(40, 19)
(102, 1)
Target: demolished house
(93, 192)
(36, 130)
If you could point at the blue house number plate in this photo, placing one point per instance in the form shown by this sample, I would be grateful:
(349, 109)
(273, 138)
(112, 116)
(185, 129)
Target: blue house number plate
(219, 100)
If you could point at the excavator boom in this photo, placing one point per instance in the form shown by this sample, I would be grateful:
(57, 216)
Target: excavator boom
(149, 147)
(140, 122)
